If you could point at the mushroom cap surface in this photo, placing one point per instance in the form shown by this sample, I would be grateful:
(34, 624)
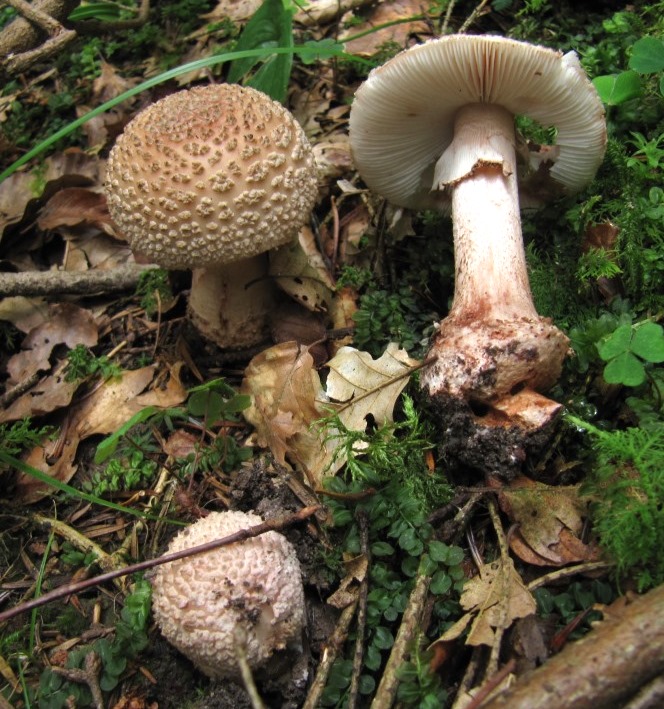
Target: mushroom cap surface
(210, 175)
(402, 118)
(254, 586)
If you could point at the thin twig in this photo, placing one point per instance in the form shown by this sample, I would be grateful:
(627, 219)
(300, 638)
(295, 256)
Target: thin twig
(569, 571)
(358, 657)
(330, 654)
(68, 589)
(501, 627)
(240, 646)
(90, 282)
(387, 689)
(472, 17)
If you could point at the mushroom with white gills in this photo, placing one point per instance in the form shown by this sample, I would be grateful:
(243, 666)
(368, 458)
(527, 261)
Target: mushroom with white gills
(437, 121)
(211, 178)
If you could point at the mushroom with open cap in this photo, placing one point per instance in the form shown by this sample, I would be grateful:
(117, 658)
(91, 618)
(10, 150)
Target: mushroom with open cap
(250, 592)
(211, 178)
(436, 124)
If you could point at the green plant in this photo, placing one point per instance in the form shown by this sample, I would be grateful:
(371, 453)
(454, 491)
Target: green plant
(629, 349)
(388, 465)
(82, 363)
(22, 435)
(566, 605)
(627, 489)
(129, 472)
(647, 58)
(129, 639)
(153, 289)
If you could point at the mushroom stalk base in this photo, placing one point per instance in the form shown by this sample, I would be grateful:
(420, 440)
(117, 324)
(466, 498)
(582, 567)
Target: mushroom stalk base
(493, 352)
(231, 304)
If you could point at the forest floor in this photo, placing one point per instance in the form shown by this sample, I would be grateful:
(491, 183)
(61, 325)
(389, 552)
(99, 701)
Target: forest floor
(444, 557)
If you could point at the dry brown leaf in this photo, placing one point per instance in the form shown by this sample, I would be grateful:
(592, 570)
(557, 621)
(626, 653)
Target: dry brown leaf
(69, 168)
(356, 569)
(50, 394)
(288, 398)
(67, 324)
(72, 206)
(110, 84)
(550, 520)
(367, 386)
(24, 313)
(285, 392)
(384, 13)
(236, 10)
(300, 271)
(494, 598)
(103, 411)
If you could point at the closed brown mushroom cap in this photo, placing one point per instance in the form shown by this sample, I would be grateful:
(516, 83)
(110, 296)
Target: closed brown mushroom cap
(210, 175)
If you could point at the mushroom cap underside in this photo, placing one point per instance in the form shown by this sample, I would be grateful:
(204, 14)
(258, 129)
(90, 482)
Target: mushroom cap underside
(210, 175)
(402, 118)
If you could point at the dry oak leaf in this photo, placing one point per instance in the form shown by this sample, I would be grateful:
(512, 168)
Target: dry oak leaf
(550, 521)
(494, 598)
(285, 392)
(288, 399)
(398, 33)
(72, 206)
(103, 411)
(367, 386)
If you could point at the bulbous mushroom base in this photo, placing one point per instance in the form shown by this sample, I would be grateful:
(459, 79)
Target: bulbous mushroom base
(484, 383)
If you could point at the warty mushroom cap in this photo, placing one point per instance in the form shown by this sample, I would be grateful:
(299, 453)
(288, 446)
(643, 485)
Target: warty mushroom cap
(402, 118)
(255, 586)
(210, 175)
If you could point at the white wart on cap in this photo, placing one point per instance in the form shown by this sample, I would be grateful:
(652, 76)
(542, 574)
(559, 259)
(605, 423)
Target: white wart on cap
(208, 177)
(403, 116)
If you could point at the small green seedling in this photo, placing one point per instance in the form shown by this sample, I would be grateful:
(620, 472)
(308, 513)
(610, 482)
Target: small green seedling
(629, 349)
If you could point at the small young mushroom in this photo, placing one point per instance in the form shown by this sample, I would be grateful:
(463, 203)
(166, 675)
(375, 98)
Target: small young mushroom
(211, 178)
(436, 124)
(251, 590)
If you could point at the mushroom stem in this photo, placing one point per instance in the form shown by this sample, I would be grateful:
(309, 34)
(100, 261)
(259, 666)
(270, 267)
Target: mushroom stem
(493, 343)
(230, 304)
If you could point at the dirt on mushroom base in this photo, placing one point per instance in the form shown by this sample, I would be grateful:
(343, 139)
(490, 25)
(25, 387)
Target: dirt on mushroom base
(496, 449)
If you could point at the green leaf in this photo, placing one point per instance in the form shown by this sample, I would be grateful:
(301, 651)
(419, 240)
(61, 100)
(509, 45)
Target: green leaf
(323, 49)
(270, 26)
(614, 89)
(383, 638)
(440, 583)
(367, 684)
(439, 551)
(625, 369)
(101, 11)
(648, 342)
(647, 55)
(455, 556)
(109, 445)
(382, 549)
(617, 343)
